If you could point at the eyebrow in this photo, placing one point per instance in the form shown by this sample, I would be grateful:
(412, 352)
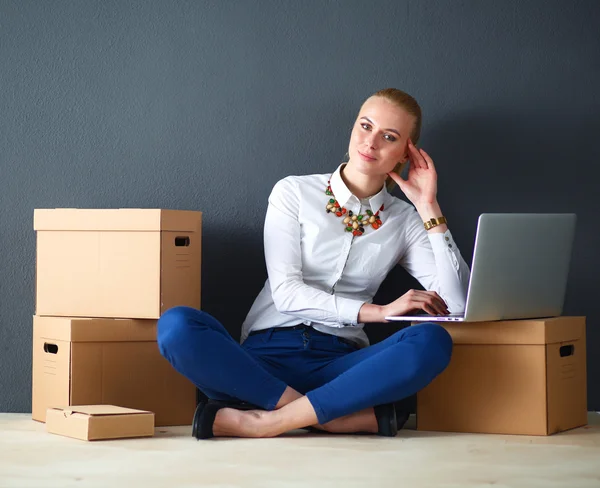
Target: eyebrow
(391, 130)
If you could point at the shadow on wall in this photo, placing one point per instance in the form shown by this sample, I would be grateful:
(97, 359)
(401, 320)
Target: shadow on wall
(233, 273)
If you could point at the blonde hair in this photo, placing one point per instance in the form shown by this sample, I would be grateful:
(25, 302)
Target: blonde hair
(410, 105)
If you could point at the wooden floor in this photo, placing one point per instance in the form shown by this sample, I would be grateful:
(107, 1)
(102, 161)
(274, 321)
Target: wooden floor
(30, 457)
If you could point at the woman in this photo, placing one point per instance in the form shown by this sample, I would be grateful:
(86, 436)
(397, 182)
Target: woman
(330, 240)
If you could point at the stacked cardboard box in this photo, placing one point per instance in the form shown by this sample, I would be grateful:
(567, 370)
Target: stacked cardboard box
(510, 377)
(103, 279)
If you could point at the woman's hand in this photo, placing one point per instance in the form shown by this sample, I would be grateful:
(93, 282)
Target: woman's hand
(417, 300)
(421, 185)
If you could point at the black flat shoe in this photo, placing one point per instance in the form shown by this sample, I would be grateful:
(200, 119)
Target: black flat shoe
(204, 417)
(390, 419)
(401, 418)
(197, 414)
(386, 420)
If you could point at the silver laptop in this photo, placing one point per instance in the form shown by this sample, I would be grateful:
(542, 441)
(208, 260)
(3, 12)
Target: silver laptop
(519, 270)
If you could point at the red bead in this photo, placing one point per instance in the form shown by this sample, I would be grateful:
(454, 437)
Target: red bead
(339, 214)
(375, 225)
(381, 208)
(343, 210)
(336, 204)
(356, 233)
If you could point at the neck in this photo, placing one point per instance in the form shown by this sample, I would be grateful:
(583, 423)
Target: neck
(362, 186)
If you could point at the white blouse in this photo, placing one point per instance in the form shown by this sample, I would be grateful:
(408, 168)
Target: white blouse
(320, 275)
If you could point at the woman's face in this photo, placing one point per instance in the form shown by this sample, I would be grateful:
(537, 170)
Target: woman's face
(379, 137)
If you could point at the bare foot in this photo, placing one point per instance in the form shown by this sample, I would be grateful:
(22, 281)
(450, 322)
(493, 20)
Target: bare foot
(230, 422)
(262, 423)
(363, 421)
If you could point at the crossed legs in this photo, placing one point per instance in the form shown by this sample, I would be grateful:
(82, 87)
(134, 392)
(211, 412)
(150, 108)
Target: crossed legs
(345, 386)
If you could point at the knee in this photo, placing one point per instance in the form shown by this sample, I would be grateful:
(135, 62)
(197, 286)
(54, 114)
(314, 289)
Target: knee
(172, 328)
(439, 345)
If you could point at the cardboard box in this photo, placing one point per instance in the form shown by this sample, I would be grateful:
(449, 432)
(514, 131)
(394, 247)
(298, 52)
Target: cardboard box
(128, 263)
(106, 362)
(510, 377)
(95, 422)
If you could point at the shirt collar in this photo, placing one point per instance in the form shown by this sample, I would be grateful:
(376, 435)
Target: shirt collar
(343, 194)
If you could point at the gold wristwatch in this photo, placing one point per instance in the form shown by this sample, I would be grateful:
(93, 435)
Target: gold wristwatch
(429, 224)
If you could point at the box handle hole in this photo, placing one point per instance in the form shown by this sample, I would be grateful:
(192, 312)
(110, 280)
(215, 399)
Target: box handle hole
(566, 351)
(50, 348)
(182, 241)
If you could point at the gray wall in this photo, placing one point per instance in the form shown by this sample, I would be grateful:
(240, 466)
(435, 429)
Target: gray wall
(206, 104)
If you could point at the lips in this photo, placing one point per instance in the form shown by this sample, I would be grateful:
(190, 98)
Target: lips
(366, 157)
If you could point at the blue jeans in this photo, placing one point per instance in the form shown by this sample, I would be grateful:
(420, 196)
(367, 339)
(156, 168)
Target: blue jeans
(338, 378)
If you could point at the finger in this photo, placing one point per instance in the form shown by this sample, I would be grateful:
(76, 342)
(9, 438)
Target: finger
(416, 157)
(431, 293)
(429, 309)
(427, 158)
(437, 306)
(428, 303)
(396, 177)
(436, 301)
(435, 294)
(440, 303)
(401, 182)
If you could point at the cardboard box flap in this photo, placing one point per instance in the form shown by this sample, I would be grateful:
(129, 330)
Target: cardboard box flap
(100, 410)
(527, 332)
(94, 329)
(557, 332)
(121, 219)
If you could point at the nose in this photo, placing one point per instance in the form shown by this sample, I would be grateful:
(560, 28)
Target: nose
(370, 141)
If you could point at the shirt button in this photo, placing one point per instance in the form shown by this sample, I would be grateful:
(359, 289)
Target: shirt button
(447, 238)
(449, 245)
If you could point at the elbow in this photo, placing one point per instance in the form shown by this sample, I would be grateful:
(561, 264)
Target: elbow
(282, 305)
(283, 298)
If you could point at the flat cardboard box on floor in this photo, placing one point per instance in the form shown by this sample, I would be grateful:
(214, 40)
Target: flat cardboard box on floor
(96, 422)
(117, 263)
(106, 362)
(510, 377)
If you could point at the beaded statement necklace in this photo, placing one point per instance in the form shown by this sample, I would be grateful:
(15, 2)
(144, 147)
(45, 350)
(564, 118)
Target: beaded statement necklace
(352, 223)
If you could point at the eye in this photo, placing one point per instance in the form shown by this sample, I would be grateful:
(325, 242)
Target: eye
(389, 137)
(365, 126)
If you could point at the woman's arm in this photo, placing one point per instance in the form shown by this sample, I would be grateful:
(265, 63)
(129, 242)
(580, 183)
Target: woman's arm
(284, 265)
(432, 256)
(434, 259)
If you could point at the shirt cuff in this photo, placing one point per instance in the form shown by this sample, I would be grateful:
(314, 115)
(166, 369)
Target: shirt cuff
(443, 243)
(348, 310)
